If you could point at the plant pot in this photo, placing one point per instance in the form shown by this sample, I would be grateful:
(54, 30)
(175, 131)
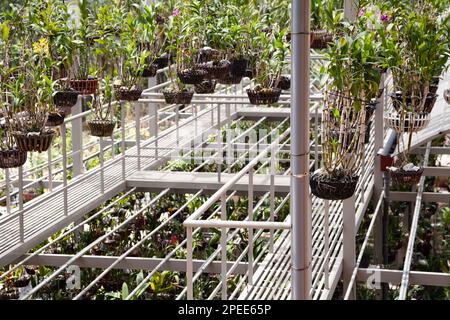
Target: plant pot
(12, 158)
(34, 141)
(150, 70)
(65, 110)
(238, 67)
(184, 97)
(398, 103)
(54, 119)
(22, 282)
(10, 294)
(208, 86)
(215, 70)
(263, 96)
(101, 128)
(162, 62)
(126, 94)
(229, 79)
(191, 76)
(411, 122)
(284, 83)
(403, 177)
(207, 54)
(249, 73)
(319, 39)
(85, 86)
(66, 98)
(332, 188)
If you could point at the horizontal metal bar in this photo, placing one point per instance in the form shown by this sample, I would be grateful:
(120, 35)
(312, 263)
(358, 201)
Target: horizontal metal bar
(438, 279)
(237, 224)
(131, 263)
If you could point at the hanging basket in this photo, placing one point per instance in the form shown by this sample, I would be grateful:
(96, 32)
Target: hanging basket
(264, 96)
(162, 62)
(65, 110)
(12, 158)
(184, 97)
(398, 102)
(215, 70)
(208, 86)
(55, 119)
(191, 76)
(412, 121)
(66, 98)
(284, 83)
(319, 39)
(331, 188)
(150, 71)
(207, 54)
(403, 177)
(229, 79)
(85, 86)
(238, 67)
(34, 141)
(101, 128)
(125, 94)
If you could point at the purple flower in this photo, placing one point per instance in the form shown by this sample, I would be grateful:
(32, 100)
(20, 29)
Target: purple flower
(361, 12)
(176, 12)
(385, 17)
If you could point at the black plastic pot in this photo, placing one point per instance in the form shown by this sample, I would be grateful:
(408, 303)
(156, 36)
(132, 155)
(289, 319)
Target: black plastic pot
(238, 67)
(333, 188)
(284, 83)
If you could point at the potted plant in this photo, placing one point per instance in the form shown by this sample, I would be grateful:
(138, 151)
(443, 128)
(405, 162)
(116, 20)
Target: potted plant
(102, 125)
(268, 71)
(32, 97)
(349, 79)
(132, 61)
(81, 75)
(10, 155)
(324, 19)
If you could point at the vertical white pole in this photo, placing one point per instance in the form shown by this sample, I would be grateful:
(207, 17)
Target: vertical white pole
(272, 195)
(49, 166)
(300, 199)
(250, 230)
(223, 246)
(64, 164)
(350, 9)
(137, 114)
(21, 218)
(7, 193)
(326, 243)
(77, 137)
(122, 129)
(349, 246)
(102, 172)
(189, 264)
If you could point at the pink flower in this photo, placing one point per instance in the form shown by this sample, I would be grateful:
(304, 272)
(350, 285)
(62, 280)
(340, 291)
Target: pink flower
(176, 12)
(385, 17)
(361, 12)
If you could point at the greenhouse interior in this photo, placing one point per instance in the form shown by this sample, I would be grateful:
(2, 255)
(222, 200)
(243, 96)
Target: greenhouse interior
(225, 150)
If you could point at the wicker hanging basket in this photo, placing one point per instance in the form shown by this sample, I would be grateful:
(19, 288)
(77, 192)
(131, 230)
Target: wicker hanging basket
(238, 67)
(406, 178)
(208, 86)
(319, 39)
(215, 70)
(55, 119)
(125, 94)
(12, 158)
(229, 79)
(331, 188)
(184, 97)
(150, 71)
(85, 86)
(66, 98)
(34, 141)
(264, 96)
(101, 128)
(191, 76)
(284, 83)
(398, 102)
(412, 121)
